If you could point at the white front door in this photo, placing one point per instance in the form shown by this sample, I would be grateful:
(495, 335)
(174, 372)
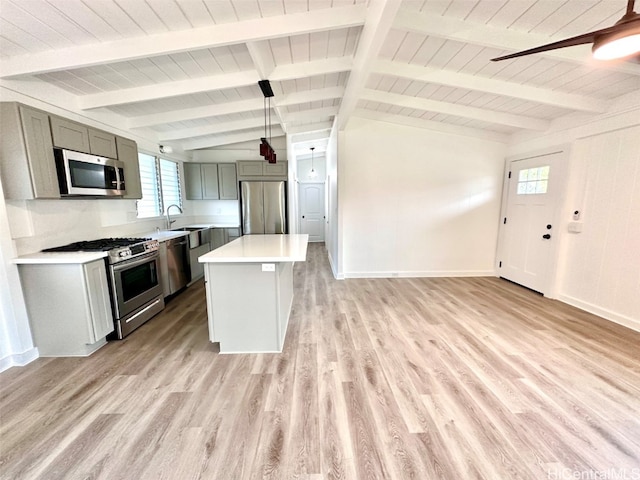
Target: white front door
(311, 196)
(529, 234)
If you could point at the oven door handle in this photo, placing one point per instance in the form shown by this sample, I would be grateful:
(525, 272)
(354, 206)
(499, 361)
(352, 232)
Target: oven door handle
(118, 267)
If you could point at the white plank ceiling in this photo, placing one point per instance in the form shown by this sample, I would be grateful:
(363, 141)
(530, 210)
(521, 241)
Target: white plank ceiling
(185, 72)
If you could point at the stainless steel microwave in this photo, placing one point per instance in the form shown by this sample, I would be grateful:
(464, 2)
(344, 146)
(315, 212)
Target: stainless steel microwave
(81, 174)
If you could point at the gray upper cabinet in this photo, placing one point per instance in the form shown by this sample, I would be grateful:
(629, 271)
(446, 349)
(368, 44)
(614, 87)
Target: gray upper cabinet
(210, 181)
(75, 136)
(103, 144)
(26, 153)
(228, 181)
(192, 181)
(210, 188)
(128, 153)
(261, 170)
(249, 168)
(27, 161)
(274, 169)
(70, 135)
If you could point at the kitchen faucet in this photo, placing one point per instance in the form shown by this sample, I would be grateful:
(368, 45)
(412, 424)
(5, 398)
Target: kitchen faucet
(169, 221)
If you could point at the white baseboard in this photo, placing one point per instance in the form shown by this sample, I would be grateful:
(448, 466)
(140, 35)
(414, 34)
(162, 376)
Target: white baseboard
(623, 320)
(333, 267)
(18, 359)
(417, 274)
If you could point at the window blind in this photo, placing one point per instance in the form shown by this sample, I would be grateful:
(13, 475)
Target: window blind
(150, 204)
(170, 180)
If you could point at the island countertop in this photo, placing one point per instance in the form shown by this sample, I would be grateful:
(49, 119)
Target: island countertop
(260, 248)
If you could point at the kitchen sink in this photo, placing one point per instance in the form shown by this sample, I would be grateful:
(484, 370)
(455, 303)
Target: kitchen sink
(187, 229)
(197, 235)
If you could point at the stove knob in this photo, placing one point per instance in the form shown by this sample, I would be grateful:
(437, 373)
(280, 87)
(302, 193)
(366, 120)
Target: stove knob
(123, 254)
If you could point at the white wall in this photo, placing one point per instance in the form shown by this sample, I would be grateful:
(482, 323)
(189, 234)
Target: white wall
(16, 345)
(415, 202)
(332, 232)
(599, 269)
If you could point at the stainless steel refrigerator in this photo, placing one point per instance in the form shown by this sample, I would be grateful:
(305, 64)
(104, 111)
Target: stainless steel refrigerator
(264, 207)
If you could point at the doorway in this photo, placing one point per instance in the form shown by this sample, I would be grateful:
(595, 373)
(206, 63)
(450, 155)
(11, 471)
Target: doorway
(312, 214)
(530, 224)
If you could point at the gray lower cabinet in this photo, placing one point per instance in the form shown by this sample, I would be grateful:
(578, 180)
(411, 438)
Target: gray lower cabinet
(218, 237)
(27, 165)
(210, 181)
(197, 269)
(69, 307)
(232, 234)
(128, 153)
(222, 236)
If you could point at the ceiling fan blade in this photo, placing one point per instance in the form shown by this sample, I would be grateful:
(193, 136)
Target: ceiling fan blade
(567, 42)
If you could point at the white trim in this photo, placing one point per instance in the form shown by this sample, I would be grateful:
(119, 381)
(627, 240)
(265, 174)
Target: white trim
(19, 359)
(419, 274)
(614, 317)
(336, 275)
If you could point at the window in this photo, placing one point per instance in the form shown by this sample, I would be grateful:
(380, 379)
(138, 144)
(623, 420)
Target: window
(160, 181)
(532, 181)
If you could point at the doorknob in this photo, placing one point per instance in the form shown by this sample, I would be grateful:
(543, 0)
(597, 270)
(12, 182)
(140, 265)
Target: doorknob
(546, 236)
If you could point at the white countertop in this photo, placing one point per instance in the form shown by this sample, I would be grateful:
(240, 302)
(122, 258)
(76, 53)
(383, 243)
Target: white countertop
(164, 235)
(260, 248)
(51, 258)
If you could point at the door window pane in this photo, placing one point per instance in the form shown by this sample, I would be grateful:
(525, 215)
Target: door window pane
(533, 181)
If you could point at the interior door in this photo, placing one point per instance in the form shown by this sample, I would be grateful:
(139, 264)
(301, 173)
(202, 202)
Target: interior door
(312, 214)
(529, 234)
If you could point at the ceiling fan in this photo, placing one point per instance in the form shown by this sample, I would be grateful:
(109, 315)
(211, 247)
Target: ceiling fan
(620, 40)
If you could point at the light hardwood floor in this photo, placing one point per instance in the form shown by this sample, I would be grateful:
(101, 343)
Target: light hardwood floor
(451, 378)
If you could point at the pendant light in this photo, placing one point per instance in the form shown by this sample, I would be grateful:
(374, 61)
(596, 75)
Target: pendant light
(266, 150)
(312, 173)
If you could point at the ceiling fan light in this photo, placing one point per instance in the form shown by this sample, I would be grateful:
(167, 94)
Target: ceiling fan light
(611, 47)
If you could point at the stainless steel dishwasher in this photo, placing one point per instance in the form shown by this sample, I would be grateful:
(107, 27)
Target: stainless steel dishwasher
(178, 263)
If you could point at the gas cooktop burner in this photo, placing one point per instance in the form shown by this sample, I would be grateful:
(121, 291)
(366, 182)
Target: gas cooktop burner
(102, 244)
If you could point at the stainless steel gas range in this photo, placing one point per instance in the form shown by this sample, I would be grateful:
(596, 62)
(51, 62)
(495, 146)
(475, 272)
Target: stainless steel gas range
(134, 280)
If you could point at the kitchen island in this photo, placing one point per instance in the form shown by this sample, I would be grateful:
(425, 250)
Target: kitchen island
(249, 288)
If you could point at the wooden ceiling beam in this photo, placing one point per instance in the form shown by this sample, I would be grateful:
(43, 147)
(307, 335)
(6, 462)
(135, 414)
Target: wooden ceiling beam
(183, 41)
(227, 139)
(431, 125)
(195, 113)
(508, 40)
(378, 22)
(447, 108)
(214, 129)
(168, 89)
(311, 114)
(490, 85)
